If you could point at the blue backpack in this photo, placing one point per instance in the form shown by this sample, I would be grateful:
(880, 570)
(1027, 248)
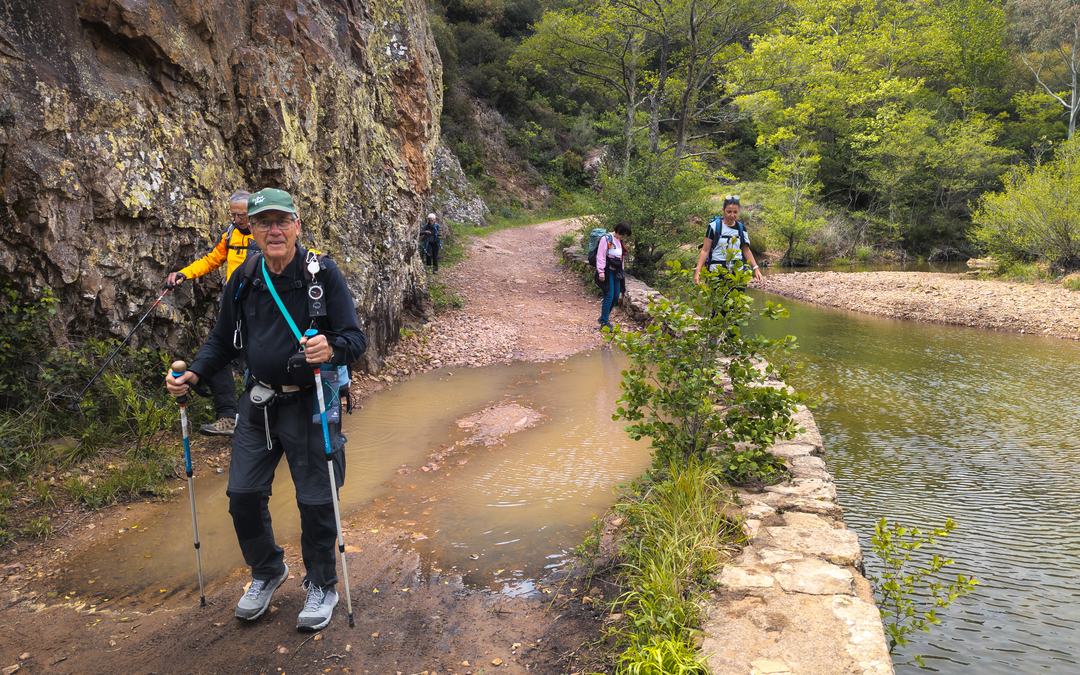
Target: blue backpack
(594, 243)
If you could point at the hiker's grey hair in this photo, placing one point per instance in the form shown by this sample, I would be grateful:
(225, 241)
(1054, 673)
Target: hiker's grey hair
(239, 196)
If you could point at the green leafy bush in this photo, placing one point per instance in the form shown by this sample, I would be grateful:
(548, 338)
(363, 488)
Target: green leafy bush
(658, 198)
(911, 586)
(697, 385)
(1037, 215)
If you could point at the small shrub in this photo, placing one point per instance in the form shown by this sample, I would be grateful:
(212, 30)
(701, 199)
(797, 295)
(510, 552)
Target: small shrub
(1072, 282)
(676, 388)
(1013, 270)
(442, 298)
(910, 588)
(565, 240)
(864, 254)
(43, 493)
(752, 467)
(1036, 216)
(38, 528)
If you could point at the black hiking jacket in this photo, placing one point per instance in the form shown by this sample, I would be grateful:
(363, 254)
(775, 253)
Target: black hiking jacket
(267, 341)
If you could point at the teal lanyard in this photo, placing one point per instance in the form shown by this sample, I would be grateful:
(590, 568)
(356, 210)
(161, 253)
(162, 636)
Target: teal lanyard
(280, 304)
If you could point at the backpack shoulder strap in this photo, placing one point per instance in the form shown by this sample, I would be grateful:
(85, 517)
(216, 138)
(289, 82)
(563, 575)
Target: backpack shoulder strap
(714, 232)
(742, 232)
(246, 274)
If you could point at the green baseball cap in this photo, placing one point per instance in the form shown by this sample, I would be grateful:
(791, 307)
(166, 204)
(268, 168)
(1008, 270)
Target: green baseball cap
(270, 199)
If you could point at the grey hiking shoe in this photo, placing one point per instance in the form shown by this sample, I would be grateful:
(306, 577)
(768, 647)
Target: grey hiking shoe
(224, 426)
(257, 597)
(318, 608)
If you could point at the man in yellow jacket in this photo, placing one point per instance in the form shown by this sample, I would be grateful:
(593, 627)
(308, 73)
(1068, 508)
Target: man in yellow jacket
(231, 249)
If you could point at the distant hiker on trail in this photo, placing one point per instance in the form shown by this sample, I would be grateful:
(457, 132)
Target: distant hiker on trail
(726, 244)
(430, 241)
(276, 294)
(609, 270)
(231, 249)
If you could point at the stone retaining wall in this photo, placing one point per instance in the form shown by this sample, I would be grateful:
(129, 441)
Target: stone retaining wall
(795, 600)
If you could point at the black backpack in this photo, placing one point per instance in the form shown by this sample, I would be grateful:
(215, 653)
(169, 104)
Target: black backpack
(714, 228)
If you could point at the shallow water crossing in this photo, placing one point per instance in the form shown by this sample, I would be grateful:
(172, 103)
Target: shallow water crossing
(493, 473)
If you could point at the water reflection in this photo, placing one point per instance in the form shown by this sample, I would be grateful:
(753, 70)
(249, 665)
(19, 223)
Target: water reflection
(922, 422)
(502, 514)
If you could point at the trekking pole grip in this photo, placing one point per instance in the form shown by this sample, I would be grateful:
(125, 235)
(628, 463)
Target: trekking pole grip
(178, 369)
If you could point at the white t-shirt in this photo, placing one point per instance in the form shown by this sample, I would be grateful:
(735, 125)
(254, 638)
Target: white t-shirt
(729, 239)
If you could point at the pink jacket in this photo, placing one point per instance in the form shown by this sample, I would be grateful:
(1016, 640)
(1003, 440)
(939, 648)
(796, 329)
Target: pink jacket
(603, 251)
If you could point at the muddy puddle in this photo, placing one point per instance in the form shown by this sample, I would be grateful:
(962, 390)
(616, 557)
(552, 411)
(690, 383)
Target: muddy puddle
(494, 474)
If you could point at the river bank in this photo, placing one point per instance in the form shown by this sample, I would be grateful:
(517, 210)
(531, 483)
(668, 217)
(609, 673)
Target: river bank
(1030, 308)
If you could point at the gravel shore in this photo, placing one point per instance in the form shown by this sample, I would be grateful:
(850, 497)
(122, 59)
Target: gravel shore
(1031, 308)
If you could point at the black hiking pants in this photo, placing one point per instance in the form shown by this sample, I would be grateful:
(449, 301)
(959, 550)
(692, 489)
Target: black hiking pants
(296, 435)
(223, 389)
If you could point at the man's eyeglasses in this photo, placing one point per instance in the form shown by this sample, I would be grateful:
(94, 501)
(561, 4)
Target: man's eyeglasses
(279, 223)
(237, 216)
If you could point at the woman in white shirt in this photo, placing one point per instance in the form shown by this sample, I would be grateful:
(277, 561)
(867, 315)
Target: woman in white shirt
(726, 243)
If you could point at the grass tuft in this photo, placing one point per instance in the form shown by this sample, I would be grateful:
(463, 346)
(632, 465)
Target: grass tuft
(676, 538)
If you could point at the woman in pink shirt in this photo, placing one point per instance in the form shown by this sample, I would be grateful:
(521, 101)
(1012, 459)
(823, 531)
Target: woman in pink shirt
(609, 269)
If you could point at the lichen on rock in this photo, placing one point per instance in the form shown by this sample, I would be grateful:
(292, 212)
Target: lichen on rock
(127, 124)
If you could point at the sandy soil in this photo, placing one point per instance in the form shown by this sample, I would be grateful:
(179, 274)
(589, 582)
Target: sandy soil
(519, 305)
(1039, 308)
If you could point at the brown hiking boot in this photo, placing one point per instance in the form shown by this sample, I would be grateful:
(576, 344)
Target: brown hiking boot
(224, 426)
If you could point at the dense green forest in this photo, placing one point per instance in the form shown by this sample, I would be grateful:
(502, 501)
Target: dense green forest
(857, 129)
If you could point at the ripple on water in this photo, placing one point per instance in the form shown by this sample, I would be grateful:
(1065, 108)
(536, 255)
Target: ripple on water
(924, 422)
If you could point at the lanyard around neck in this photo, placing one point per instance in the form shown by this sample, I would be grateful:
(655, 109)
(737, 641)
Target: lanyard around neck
(280, 304)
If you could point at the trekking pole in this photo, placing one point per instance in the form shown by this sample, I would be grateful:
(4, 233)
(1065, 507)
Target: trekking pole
(310, 333)
(121, 345)
(178, 369)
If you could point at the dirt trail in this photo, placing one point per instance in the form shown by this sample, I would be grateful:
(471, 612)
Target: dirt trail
(519, 304)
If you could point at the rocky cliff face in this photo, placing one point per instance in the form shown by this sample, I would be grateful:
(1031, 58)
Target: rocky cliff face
(452, 197)
(125, 125)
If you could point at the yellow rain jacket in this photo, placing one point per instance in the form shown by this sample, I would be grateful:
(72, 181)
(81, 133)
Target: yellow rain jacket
(232, 252)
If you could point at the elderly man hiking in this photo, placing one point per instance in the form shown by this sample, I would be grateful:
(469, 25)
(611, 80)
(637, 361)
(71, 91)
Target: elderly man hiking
(231, 249)
(274, 296)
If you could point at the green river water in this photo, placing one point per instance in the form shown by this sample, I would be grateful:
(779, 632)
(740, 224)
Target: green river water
(921, 422)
